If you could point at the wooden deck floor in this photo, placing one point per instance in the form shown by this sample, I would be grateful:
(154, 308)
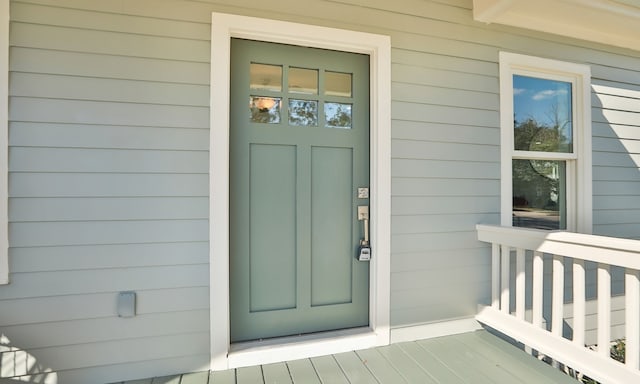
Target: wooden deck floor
(476, 357)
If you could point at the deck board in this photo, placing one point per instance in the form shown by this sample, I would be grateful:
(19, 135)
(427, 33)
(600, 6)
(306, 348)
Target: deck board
(277, 373)
(430, 363)
(528, 366)
(409, 369)
(302, 371)
(174, 379)
(195, 378)
(470, 364)
(222, 377)
(354, 369)
(469, 358)
(249, 375)
(328, 370)
(380, 367)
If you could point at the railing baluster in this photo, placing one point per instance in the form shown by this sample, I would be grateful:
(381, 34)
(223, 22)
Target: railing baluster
(604, 309)
(504, 280)
(632, 318)
(538, 292)
(520, 283)
(495, 275)
(557, 295)
(579, 297)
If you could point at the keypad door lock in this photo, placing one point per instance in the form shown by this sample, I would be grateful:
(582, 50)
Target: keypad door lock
(364, 250)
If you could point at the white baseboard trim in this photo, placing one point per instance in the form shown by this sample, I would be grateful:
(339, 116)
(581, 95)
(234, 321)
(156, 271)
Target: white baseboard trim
(428, 331)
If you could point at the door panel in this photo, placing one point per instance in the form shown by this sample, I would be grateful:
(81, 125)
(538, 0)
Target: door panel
(331, 185)
(272, 226)
(299, 150)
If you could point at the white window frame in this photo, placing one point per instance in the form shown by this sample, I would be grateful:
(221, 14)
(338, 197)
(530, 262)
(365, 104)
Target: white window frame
(578, 164)
(378, 47)
(4, 141)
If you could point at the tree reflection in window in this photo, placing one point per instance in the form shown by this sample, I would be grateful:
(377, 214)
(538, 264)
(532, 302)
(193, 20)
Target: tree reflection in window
(337, 115)
(303, 113)
(539, 193)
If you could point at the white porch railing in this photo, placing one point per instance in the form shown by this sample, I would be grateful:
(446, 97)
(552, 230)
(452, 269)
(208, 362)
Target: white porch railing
(533, 333)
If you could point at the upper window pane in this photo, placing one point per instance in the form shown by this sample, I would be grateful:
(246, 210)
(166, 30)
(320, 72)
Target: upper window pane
(266, 77)
(303, 81)
(542, 115)
(337, 84)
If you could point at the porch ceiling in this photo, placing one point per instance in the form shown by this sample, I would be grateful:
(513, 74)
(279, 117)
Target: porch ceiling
(614, 22)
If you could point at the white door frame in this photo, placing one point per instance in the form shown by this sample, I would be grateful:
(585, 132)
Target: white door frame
(378, 47)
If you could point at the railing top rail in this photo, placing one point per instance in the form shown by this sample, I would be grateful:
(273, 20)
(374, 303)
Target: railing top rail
(601, 249)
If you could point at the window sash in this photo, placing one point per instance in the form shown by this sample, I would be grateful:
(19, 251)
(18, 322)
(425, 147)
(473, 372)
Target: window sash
(543, 155)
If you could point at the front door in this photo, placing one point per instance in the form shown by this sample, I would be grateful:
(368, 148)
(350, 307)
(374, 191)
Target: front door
(299, 153)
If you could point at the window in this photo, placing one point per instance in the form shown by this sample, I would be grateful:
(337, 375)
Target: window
(545, 143)
(310, 91)
(4, 144)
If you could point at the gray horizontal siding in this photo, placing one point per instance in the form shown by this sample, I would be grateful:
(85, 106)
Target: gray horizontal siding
(91, 208)
(32, 134)
(42, 311)
(80, 331)
(109, 167)
(53, 62)
(105, 89)
(114, 43)
(108, 192)
(107, 21)
(42, 234)
(616, 156)
(43, 284)
(101, 256)
(58, 184)
(123, 351)
(95, 112)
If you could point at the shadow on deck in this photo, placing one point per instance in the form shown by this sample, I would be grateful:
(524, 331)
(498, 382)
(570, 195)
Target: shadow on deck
(476, 357)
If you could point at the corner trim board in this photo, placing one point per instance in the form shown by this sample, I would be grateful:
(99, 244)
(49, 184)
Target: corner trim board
(4, 141)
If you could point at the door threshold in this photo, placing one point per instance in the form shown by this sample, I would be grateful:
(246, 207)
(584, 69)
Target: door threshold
(280, 349)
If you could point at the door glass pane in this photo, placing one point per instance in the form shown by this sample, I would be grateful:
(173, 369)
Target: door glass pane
(337, 84)
(265, 109)
(303, 81)
(265, 77)
(542, 115)
(337, 115)
(303, 112)
(539, 194)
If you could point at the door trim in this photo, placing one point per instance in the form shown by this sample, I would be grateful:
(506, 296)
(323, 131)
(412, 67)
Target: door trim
(378, 47)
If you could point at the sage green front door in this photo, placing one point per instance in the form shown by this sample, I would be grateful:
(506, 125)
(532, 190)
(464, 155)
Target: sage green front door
(299, 152)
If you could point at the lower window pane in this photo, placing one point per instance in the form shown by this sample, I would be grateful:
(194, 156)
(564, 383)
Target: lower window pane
(539, 194)
(303, 112)
(265, 109)
(337, 115)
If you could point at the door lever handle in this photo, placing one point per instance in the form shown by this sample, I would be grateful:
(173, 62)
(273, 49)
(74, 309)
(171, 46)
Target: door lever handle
(364, 250)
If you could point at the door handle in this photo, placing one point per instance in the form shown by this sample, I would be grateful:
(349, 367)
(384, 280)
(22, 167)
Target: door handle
(364, 250)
